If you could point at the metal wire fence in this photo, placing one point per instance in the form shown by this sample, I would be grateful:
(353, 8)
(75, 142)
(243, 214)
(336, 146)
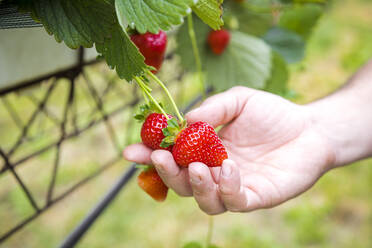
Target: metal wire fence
(48, 112)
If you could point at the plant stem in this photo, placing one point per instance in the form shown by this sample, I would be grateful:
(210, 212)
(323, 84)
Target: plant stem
(145, 90)
(196, 52)
(210, 231)
(145, 97)
(158, 81)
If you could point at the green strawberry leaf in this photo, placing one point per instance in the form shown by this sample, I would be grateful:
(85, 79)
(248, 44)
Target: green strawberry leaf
(122, 54)
(52, 15)
(301, 19)
(277, 83)
(246, 60)
(241, 16)
(152, 15)
(83, 14)
(75, 21)
(210, 11)
(287, 43)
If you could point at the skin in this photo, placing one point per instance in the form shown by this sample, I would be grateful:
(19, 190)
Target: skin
(277, 149)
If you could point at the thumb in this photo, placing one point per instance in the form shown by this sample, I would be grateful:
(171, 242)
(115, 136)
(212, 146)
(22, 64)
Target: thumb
(222, 108)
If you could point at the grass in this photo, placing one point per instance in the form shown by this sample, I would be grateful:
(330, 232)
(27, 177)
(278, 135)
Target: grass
(336, 212)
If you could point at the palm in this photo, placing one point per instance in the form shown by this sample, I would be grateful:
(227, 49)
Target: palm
(272, 142)
(275, 153)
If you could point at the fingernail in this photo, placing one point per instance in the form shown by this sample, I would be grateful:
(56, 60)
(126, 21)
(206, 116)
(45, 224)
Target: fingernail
(226, 170)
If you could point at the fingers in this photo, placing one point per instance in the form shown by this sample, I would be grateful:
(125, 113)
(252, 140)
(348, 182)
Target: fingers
(232, 193)
(204, 189)
(221, 108)
(138, 153)
(215, 189)
(172, 175)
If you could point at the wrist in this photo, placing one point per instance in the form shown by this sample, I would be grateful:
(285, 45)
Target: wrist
(343, 124)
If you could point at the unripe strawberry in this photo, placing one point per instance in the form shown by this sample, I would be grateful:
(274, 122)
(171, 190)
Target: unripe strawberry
(218, 40)
(152, 47)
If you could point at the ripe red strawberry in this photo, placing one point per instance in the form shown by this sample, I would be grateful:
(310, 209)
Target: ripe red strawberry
(152, 47)
(152, 184)
(199, 143)
(151, 132)
(218, 40)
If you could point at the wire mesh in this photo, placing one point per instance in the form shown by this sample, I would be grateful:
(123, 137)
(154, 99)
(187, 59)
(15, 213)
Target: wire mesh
(46, 117)
(11, 18)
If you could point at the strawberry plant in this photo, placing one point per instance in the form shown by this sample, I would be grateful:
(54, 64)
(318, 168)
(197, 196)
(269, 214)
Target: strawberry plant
(248, 42)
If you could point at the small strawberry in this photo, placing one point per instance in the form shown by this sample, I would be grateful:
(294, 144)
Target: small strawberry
(196, 143)
(152, 184)
(218, 40)
(152, 47)
(151, 131)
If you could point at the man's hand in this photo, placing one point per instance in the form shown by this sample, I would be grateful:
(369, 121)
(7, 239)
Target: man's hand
(275, 153)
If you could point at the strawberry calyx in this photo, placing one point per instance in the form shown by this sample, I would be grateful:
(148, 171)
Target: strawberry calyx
(171, 132)
(145, 110)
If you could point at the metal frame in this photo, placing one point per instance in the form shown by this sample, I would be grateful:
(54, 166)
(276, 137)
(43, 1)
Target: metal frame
(11, 165)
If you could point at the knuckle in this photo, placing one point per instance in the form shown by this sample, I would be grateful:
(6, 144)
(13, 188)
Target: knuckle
(226, 191)
(229, 190)
(202, 190)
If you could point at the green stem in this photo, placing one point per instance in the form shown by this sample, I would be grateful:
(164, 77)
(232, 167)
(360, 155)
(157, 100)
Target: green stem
(146, 86)
(145, 90)
(196, 52)
(157, 80)
(210, 231)
(145, 97)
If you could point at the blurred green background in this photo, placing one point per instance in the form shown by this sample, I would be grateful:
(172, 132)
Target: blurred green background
(336, 212)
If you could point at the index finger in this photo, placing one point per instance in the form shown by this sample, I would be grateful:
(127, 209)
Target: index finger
(138, 153)
(222, 108)
(173, 176)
